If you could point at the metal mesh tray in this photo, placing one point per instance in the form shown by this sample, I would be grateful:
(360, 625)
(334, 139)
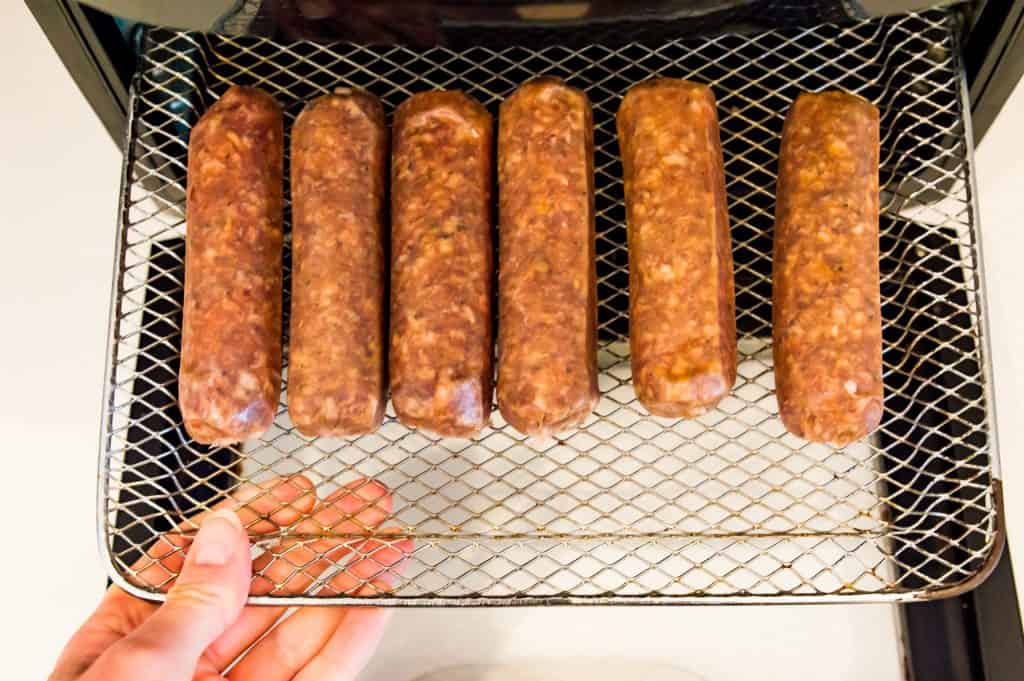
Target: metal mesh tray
(629, 508)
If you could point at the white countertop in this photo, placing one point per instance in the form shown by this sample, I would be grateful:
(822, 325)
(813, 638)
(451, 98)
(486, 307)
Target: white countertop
(59, 211)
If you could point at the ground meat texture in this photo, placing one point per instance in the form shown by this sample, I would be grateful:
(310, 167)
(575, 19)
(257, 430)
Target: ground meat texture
(826, 313)
(547, 302)
(442, 264)
(681, 300)
(230, 377)
(336, 375)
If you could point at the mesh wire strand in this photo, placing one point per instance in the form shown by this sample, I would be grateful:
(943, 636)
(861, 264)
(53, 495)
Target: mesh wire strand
(629, 507)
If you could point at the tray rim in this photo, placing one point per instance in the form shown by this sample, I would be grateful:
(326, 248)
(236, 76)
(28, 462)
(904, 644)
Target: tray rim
(982, 572)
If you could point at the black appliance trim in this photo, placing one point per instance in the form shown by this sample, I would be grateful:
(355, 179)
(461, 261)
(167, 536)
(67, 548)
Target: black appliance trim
(90, 45)
(974, 637)
(994, 59)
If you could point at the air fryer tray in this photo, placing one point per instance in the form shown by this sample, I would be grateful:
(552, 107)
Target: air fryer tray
(629, 508)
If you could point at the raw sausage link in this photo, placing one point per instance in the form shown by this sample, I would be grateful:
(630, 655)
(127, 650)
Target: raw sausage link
(231, 335)
(336, 375)
(442, 264)
(547, 307)
(826, 315)
(681, 300)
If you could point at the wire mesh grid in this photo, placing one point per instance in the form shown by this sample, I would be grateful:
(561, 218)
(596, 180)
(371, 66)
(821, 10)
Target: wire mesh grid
(628, 508)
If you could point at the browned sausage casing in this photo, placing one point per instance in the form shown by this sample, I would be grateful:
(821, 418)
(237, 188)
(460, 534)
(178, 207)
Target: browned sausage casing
(442, 264)
(826, 314)
(547, 301)
(681, 301)
(336, 375)
(231, 335)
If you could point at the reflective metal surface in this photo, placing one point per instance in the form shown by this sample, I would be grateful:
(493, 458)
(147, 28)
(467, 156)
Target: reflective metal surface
(433, 22)
(629, 508)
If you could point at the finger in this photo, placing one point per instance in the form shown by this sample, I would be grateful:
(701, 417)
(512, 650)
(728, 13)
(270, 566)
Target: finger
(282, 652)
(375, 567)
(279, 577)
(161, 563)
(117, 614)
(358, 507)
(286, 650)
(293, 567)
(346, 515)
(355, 509)
(266, 507)
(349, 648)
(358, 635)
(262, 508)
(207, 597)
(315, 633)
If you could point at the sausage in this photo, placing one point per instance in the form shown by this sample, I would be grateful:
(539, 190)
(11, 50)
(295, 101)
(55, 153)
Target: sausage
(826, 310)
(230, 377)
(336, 373)
(442, 264)
(547, 290)
(681, 298)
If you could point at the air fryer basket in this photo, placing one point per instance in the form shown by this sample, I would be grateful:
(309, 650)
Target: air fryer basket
(629, 508)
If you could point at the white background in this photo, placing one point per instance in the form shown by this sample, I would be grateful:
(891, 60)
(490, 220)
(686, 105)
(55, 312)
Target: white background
(58, 178)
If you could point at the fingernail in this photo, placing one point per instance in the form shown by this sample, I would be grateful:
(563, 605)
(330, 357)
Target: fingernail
(367, 490)
(217, 539)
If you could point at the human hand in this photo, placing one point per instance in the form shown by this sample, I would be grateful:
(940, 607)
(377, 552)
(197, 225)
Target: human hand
(204, 626)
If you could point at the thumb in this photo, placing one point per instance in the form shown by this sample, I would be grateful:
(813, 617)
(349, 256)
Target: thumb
(207, 597)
